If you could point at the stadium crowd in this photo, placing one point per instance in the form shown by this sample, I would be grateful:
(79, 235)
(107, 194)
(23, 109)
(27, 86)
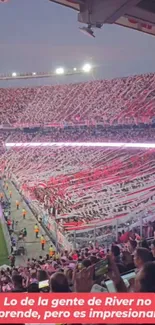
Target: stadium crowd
(96, 184)
(122, 266)
(84, 190)
(130, 267)
(78, 187)
(98, 133)
(119, 101)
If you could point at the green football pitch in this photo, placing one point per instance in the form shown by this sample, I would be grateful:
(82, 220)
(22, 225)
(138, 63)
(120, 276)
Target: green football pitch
(3, 249)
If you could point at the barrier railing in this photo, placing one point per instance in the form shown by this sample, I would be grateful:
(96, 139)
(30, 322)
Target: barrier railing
(82, 237)
(49, 225)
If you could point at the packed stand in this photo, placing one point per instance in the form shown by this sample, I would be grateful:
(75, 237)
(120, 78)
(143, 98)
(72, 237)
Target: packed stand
(98, 133)
(119, 101)
(126, 267)
(121, 266)
(83, 187)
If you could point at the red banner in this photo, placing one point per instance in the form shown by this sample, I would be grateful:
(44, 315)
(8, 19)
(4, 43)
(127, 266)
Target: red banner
(135, 24)
(76, 308)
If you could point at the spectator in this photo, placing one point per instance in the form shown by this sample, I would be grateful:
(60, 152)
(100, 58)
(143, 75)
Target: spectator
(144, 244)
(87, 262)
(145, 280)
(128, 261)
(59, 283)
(153, 248)
(12, 258)
(18, 283)
(142, 256)
(132, 244)
(116, 252)
(33, 287)
(43, 279)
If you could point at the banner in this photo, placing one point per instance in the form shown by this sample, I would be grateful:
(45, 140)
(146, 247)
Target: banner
(74, 308)
(134, 24)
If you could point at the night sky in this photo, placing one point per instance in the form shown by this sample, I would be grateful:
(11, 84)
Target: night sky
(37, 35)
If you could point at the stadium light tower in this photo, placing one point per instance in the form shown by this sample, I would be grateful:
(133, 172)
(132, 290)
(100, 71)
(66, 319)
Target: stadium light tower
(14, 74)
(87, 67)
(60, 71)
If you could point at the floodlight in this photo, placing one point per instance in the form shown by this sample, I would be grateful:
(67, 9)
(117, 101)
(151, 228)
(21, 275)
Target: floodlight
(34, 73)
(75, 69)
(87, 67)
(14, 74)
(60, 71)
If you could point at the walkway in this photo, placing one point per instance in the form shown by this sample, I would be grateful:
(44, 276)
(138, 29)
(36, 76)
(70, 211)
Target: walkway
(3, 243)
(32, 245)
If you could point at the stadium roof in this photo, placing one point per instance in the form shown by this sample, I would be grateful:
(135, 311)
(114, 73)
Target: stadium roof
(135, 14)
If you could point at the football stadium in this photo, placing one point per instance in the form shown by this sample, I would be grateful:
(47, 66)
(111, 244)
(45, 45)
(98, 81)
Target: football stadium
(77, 171)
